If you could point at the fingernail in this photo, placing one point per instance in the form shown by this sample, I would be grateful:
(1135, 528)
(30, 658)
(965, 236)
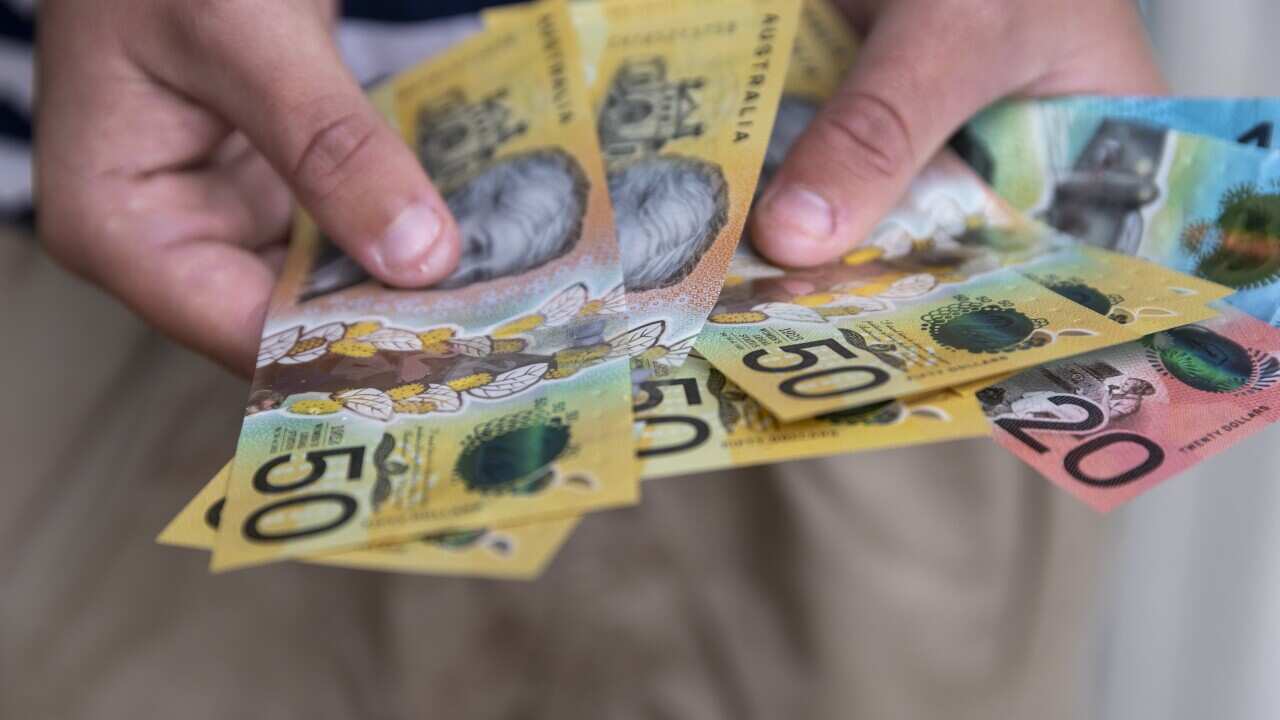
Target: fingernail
(410, 239)
(440, 261)
(802, 210)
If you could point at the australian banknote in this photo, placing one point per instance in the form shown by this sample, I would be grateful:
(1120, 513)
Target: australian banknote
(1141, 295)
(685, 96)
(380, 415)
(514, 553)
(933, 299)
(696, 420)
(1204, 206)
(994, 141)
(1109, 425)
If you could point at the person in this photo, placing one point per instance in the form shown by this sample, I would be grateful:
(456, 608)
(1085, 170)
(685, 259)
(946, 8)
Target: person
(171, 136)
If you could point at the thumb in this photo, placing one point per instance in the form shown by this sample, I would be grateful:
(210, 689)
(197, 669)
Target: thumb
(913, 84)
(281, 81)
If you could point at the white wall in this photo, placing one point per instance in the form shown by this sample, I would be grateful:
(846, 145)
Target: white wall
(1190, 625)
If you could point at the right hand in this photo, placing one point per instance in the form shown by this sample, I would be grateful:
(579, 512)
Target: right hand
(169, 136)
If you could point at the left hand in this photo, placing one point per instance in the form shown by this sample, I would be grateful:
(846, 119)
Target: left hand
(926, 67)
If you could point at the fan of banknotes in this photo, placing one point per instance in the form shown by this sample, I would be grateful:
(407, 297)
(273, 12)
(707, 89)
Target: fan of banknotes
(1092, 282)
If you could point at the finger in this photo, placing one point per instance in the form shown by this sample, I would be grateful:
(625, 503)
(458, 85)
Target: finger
(1105, 51)
(925, 68)
(132, 196)
(204, 294)
(177, 249)
(250, 184)
(273, 71)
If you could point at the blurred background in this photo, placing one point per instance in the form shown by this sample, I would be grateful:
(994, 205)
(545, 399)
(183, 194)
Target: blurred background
(1189, 621)
(1184, 622)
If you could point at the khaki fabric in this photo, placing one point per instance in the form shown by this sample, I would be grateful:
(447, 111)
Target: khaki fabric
(934, 582)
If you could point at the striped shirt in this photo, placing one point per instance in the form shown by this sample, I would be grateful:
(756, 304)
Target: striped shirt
(376, 37)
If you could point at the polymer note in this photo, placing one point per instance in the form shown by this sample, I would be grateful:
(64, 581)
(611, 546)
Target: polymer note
(515, 553)
(696, 420)
(1140, 295)
(933, 299)
(1110, 425)
(1199, 205)
(381, 415)
(685, 95)
(1013, 145)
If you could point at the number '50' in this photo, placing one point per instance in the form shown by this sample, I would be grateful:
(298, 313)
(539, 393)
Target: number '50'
(807, 358)
(652, 390)
(318, 462)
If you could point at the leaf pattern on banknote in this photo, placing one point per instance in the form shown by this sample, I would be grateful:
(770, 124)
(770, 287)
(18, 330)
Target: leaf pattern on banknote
(481, 346)
(672, 356)
(511, 382)
(368, 402)
(394, 340)
(635, 342)
(912, 286)
(277, 346)
(444, 398)
(314, 344)
(613, 302)
(864, 304)
(565, 306)
(790, 312)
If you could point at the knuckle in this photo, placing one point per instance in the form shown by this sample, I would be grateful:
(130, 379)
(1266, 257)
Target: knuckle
(211, 16)
(867, 134)
(208, 24)
(331, 151)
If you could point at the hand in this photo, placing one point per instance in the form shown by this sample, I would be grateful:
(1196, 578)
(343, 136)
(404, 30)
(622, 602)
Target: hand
(925, 68)
(169, 135)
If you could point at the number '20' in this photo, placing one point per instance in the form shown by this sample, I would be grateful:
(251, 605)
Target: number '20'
(1074, 459)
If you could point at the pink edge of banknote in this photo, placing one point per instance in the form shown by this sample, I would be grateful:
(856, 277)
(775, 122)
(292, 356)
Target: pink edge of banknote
(1110, 425)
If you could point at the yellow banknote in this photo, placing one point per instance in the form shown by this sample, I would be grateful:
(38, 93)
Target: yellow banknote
(380, 415)
(1141, 295)
(824, 49)
(685, 96)
(805, 343)
(696, 420)
(515, 553)
(588, 23)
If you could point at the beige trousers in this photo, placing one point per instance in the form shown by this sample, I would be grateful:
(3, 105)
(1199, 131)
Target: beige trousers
(936, 582)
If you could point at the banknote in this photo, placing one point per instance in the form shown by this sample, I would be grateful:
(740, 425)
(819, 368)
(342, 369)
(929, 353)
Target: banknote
(1141, 295)
(1109, 425)
(824, 50)
(685, 96)
(514, 553)
(990, 142)
(588, 21)
(932, 300)
(696, 420)
(1203, 206)
(380, 415)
